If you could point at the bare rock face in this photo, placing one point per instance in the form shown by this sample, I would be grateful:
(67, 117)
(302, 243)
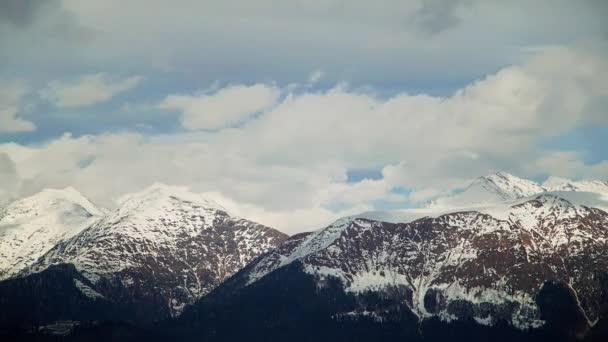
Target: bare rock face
(161, 250)
(464, 265)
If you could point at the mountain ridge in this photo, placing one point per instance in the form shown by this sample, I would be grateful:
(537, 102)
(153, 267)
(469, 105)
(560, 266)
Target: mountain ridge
(559, 236)
(504, 187)
(496, 265)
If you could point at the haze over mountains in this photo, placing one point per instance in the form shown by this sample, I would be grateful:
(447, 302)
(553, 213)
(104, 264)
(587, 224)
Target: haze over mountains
(500, 255)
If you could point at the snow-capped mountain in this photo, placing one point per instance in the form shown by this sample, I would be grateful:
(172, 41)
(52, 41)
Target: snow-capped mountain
(162, 249)
(506, 257)
(30, 227)
(503, 187)
(488, 265)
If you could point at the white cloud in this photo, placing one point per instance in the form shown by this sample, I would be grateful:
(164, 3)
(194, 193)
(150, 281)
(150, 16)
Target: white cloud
(223, 108)
(11, 93)
(87, 90)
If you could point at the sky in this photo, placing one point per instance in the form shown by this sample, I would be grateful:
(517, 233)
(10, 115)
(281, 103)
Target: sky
(296, 113)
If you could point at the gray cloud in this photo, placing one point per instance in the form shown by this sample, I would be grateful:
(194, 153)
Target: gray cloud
(436, 16)
(600, 8)
(21, 13)
(37, 29)
(385, 42)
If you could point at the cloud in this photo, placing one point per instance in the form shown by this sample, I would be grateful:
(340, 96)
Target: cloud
(436, 16)
(361, 43)
(11, 93)
(87, 90)
(38, 30)
(223, 108)
(570, 164)
(20, 12)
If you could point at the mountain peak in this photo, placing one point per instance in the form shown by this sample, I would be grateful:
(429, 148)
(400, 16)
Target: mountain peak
(500, 174)
(50, 199)
(493, 188)
(32, 225)
(159, 192)
(513, 187)
(555, 181)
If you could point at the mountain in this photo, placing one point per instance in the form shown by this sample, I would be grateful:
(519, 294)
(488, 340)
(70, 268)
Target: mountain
(467, 256)
(30, 227)
(532, 269)
(161, 250)
(513, 261)
(504, 187)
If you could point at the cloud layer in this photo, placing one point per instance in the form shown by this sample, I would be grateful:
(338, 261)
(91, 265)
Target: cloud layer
(296, 113)
(287, 167)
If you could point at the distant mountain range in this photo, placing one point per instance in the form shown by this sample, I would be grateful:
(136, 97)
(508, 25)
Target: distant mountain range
(504, 259)
(504, 187)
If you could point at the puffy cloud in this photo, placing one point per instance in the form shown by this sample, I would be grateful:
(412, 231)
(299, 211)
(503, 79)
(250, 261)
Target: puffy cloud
(87, 90)
(498, 114)
(10, 95)
(223, 108)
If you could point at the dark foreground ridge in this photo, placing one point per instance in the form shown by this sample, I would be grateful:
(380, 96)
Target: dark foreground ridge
(291, 305)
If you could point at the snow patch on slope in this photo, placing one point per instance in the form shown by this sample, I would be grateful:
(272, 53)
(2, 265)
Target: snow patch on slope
(87, 290)
(500, 211)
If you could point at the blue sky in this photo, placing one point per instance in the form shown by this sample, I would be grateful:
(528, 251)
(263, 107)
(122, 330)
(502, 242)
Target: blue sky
(299, 111)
